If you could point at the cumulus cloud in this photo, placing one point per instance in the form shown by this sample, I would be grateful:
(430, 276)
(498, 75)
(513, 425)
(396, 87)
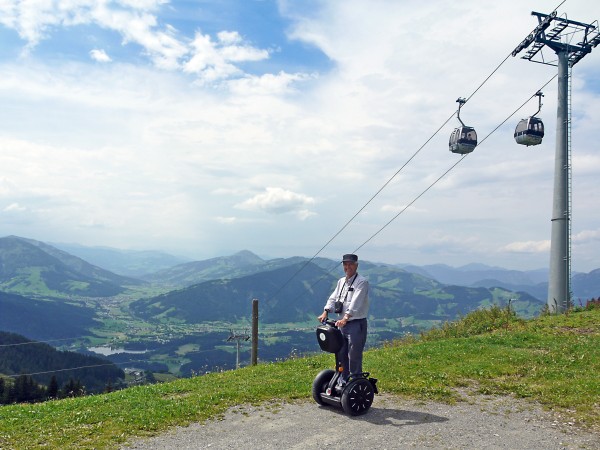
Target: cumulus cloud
(527, 247)
(586, 236)
(280, 201)
(341, 134)
(136, 21)
(100, 55)
(213, 60)
(233, 48)
(267, 84)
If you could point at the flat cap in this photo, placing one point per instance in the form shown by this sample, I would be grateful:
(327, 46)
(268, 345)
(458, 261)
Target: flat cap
(350, 258)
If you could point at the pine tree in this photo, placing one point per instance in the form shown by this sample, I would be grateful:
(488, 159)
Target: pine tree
(73, 389)
(21, 389)
(52, 391)
(68, 389)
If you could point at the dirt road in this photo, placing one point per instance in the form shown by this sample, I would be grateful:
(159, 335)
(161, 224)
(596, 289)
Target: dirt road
(477, 422)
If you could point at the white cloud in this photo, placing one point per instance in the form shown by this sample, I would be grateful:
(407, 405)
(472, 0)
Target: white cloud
(14, 207)
(527, 247)
(229, 37)
(136, 22)
(226, 220)
(279, 201)
(207, 61)
(100, 55)
(213, 61)
(230, 51)
(151, 159)
(267, 84)
(586, 236)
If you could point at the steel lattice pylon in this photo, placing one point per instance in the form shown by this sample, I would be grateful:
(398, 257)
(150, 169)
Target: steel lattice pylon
(557, 33)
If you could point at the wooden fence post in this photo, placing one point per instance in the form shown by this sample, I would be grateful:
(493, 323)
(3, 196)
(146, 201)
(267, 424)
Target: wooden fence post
(254, 352)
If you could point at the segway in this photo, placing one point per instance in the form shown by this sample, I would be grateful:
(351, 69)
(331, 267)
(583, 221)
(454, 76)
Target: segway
(356, 396)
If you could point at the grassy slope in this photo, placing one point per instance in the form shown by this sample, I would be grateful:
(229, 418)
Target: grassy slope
(553, 360)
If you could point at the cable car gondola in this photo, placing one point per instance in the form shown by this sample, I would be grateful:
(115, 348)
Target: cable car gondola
(463, 139)
(530, 131)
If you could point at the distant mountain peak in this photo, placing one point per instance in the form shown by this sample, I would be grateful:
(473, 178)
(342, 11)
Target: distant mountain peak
(247, 256)
(479, 266)
(30, 267)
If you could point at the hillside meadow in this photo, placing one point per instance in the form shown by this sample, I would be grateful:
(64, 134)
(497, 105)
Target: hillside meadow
(551, 360)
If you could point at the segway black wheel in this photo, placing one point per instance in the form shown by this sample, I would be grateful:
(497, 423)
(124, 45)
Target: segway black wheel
(320, 384)
(357, 397)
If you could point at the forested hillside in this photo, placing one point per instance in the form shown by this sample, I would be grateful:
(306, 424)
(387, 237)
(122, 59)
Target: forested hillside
(22, 360)
(297, 292)
(44, 319)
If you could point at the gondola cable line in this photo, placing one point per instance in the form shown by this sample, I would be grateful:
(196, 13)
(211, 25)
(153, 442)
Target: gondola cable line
(217, 329)
(437, 180)
(461, 103)
(454, 165)
(464, 101)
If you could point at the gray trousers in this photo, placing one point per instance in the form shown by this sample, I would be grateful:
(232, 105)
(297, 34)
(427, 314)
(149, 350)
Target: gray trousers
(351, 353)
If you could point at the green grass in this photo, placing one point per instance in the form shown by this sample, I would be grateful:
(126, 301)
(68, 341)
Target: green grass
(552, 360)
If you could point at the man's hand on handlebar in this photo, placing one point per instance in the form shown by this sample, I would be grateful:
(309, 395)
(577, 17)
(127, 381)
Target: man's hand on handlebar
(340, 323)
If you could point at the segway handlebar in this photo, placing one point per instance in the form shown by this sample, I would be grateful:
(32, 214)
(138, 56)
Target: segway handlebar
(329, 322)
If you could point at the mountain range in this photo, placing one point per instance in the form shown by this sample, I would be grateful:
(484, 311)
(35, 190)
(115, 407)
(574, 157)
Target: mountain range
(129, 263)
(48, 293)
(161, 268)
(34, 268)
(35, 276)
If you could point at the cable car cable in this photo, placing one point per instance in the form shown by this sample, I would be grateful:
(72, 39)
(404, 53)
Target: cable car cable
(38, 342)
(437, 180)
(451, 167)
(363, 207)
(378, 192)
(216, 329)
(411, 203)
(395, 174)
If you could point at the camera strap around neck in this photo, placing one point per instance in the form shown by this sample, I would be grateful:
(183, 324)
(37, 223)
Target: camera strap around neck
(347, 288)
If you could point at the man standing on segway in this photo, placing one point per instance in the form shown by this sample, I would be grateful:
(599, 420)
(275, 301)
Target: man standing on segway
(351, 300)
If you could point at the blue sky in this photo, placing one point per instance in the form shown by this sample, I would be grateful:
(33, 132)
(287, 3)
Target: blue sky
(258, 22)
(203, 128)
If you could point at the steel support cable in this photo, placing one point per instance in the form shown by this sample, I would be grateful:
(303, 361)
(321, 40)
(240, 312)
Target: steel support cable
(389, 180)
(488, 77)
(62, 370)
(389, 221)
(412, 202)
(386, 183)
(208, 329)
(362, 207)
(381, 188)
(392, 219)
(38, 342)
(452, 167)
(440, 177)
(371, 199)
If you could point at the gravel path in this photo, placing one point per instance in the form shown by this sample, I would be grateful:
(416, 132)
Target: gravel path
(477, 422)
